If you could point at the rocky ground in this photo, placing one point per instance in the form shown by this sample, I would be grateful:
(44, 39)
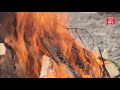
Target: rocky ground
(105, 36)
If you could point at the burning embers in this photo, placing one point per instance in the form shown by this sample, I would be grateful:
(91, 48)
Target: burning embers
(34, 34)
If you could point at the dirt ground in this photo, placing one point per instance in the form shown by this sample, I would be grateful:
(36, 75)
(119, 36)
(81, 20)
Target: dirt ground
(105, 36)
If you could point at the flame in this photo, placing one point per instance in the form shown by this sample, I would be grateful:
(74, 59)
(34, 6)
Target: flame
(31, 27)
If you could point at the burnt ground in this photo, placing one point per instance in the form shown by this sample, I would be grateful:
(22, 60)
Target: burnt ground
(105, 36)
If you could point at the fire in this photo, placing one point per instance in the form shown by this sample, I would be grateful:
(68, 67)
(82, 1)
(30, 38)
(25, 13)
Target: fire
(26, 35)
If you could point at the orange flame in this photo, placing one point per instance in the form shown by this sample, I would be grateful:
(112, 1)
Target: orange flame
(25, 39)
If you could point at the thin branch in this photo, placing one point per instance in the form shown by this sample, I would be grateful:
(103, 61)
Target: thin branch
(76, 30)
(105, 70)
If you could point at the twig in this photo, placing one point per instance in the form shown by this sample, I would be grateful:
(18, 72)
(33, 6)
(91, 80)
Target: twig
(76, 30)
(105, 70)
